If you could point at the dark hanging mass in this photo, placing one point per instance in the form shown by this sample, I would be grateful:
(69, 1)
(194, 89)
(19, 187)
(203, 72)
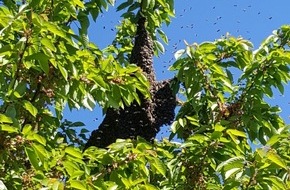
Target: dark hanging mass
(142, 120)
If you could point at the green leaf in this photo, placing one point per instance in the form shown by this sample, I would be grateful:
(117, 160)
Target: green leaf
(273, 140)
(40, 151)
(79, 3)
(98, 80)
(47, 43)
(179, 53)
(160, 46)
(268, 91)
(236, 132)
(175, 126)
(207, 47)
(89, 102)
(276, 182)
(182, 122)
(6, 49)
(163, 36)
(32, 156)
(63, 71)
(77, 174)
(145, 4)
(39, 139)
(230, 172)
(70, 166)
(124, 5)
(211, 57)
(20, 90)
(159, 166)
(235, 162)
(54, 29)
(112, 2)
(29, 107)
(8, 128)
(77, 184)
(5, 119)
(149, 187)
(198, 137)
(11, 111)
(274, 157)
(74, 152)
(26, 129)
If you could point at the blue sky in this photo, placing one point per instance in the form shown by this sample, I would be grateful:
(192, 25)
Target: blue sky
(198, 21)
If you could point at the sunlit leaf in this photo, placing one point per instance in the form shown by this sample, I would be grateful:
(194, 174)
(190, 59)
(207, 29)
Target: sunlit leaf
(235, 162)
(32, 157)
(77, 184)
(274, 157)
(8, 128)
(26, 129)
(5, 119)
(159, 166)
(179, 53)
(73, 152)
(63, 71)
(29, 107)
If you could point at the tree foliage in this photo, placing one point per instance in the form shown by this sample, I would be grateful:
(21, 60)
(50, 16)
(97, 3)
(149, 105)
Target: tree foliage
(230, 137)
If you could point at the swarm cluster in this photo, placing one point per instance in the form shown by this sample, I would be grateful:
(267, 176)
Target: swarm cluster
(142, 120)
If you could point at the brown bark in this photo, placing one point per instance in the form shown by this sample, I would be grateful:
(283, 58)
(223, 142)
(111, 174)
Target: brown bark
(135, 120)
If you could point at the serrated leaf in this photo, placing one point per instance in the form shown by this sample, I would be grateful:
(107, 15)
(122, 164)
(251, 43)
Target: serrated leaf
(74, 152)
(230, 172)
(30, 108)
(159, 166)
(235, 162)
(276, 181)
